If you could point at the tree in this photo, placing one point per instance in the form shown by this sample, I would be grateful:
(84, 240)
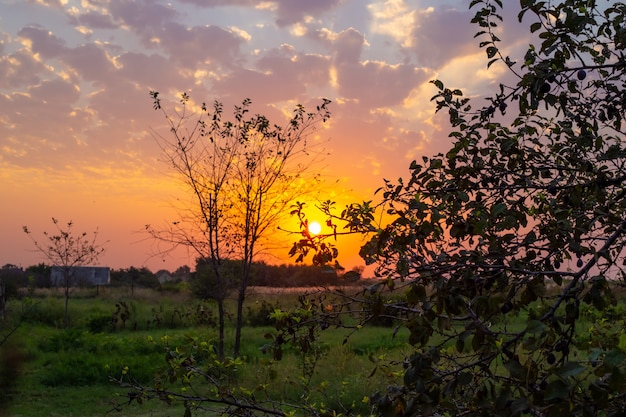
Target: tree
(240, 175)
(67, 250)
(217, 286)
(141, 277)
(522, 220)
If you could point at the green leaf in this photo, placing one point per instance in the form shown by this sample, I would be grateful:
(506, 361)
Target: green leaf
(614, 357)
(519, 406)
(516, 369)
(556, 390)
(459, 345)
(622, 342)
(535, 27)
(570, 369)
(464, 378)
(498, 209)
(535, 327)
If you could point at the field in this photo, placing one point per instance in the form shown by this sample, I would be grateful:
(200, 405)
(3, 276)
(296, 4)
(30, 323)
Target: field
(67, 371)
(49, 370)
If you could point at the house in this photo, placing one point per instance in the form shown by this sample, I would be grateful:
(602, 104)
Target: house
(81, 276)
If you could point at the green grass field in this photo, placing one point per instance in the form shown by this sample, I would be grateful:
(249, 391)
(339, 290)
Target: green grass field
(66, 372)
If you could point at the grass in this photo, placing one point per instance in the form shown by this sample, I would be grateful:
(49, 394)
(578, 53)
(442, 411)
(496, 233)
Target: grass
(65, 372)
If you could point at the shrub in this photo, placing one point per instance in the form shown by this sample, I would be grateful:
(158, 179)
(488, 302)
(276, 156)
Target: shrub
(260, 314)
(99, 323)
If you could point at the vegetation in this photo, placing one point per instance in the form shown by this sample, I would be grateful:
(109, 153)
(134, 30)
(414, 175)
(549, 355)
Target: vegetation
(67, 250)
(241, 174)
(501, 268)
(72, 368)
(523, 217)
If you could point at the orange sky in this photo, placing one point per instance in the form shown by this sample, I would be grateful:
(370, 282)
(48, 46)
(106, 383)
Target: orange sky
(75, 113)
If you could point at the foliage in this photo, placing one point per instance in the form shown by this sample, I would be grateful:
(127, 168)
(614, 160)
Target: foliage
(527, 208)
(67, 250)
(206, 284)
(261, 315)
(77, 363)
(286, 373)
(240, 175)
(141, 277)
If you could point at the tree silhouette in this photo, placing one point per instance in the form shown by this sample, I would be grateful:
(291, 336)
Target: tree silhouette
(67, 250)
(241, 174)
(523, 219)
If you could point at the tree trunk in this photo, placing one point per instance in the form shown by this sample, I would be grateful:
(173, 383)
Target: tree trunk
(239, 325)
(240, 300)
(220, 342)
(67, 301)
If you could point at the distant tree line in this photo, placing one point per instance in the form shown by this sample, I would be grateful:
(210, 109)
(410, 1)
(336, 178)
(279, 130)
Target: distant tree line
(264, 275)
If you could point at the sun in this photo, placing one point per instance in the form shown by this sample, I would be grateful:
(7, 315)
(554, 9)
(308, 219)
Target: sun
(315, 228)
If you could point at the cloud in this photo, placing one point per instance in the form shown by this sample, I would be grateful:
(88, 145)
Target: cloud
(154, 71)
(379, 84)
(42, 41)
(91, 61)
(288, 12)
(394, 18)
(293, 11)
(143, 17)
(441, 34)
(96, 20)
(19, 69)
(200, 45)
(374, 83)
(280, 74)
(74, 85)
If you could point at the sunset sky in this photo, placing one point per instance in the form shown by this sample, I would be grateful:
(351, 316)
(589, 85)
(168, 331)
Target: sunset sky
(76, 116)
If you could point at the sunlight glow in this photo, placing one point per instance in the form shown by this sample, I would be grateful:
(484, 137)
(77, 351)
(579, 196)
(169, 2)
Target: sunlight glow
(315, 228)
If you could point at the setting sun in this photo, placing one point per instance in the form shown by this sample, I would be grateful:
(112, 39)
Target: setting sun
(315, 228)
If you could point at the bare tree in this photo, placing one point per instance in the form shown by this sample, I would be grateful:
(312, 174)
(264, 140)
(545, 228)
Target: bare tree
(242, 175)
(67, 250)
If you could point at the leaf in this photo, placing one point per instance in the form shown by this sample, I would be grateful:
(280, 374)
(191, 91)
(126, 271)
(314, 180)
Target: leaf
(556, 390)
(438, 84)
(460, 345)
(614, 357)
(535, 327)
(498, 209)
(622, 342)
(464, 378)
(570, 369)
(519, 406)
(516, 369)
(616, 380)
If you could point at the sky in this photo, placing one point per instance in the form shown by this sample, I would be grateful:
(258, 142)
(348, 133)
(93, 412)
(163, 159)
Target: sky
(77, 123)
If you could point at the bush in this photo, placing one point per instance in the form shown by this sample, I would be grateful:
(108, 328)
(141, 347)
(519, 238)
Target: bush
(260, 314)
(99, 323)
